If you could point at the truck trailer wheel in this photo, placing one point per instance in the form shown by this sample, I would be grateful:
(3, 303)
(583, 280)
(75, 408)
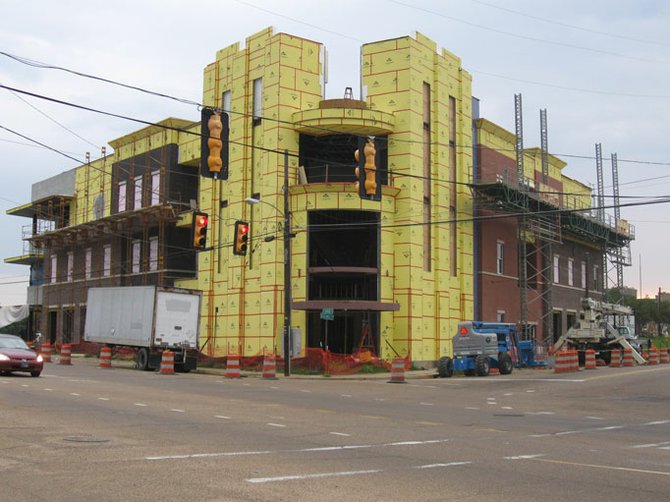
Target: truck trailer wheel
(482, 366)
(142, 359)
(505, 364)
(445, 367)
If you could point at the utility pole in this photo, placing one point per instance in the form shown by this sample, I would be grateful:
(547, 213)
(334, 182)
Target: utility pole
(287, 273)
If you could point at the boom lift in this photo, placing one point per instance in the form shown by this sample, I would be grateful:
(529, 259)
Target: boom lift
(594, 332)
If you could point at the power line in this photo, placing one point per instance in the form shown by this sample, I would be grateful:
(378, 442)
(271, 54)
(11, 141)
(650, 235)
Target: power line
(532, 39)
(567, 25)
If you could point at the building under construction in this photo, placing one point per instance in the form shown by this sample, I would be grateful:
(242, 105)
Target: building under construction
(390, 275)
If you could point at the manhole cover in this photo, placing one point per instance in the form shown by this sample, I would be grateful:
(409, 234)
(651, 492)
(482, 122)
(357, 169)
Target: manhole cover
(86, 439)
(508, 415)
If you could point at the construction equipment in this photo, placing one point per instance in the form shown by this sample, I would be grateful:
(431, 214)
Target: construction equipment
(480, 346)
(593, 331)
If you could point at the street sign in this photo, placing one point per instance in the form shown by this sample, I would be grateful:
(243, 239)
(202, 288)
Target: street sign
(327, 314)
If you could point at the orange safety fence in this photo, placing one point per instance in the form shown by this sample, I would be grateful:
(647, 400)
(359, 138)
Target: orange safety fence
(314, 361)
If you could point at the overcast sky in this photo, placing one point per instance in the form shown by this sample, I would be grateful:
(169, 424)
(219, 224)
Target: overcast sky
(600, 68)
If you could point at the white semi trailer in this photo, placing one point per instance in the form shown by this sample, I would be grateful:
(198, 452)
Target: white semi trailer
(147, 318)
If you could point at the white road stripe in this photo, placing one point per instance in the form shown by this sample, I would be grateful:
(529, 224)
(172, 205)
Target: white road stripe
(426, 404)
(222, 416)
(345, 395)
(608, 467)
(432, 466)
(176, 410)
(312, 476)
(74, 394)
(303, 450)
(103, 398)
(525, 457)
(275, 425)
(653, 445)
(48, 389)
(658, 422)
(139, 404)
(340, 434)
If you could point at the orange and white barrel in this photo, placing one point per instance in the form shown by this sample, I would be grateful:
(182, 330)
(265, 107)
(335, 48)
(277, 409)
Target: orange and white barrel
(233, 366)
(269, 367)
(653, 356)
(167, 363)
(628, 357)
(66, 354)
(398, 370)
(590, 360)
(664, 357)
(45, 351)
(105, 357)
(615, 360)
(562, 362)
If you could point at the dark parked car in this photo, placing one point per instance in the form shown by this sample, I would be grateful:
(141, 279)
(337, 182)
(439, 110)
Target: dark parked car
(15, 355)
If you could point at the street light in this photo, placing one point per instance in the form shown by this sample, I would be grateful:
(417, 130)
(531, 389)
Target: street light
(287, 265)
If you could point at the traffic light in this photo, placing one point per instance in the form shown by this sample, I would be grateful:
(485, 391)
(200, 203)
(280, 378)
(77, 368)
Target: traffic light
(214, 144)
(241, 238)
(367, 172)
(200, 221)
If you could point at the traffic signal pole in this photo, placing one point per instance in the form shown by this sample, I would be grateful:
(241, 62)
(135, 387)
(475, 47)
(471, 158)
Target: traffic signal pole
(287, 273)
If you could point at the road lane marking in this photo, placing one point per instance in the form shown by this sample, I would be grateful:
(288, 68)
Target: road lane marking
(222, 416)
(607, 467)
(652, 445)
(595, 418)
(312, 476)
(340, 434)
(48, 389)
(448, 464)
(525, 457)
(506, 408)
(74, 394)
(139, 404)
(658, 422)
(302, 450)
(271, 424)
(540, 413)
(471, 408)
(345, 395)
(426, 404)
(103, 398)
(305, 390)
(593, 429)
(177, 410)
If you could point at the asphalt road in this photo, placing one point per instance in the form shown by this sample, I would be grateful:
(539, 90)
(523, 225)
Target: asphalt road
(84, 433)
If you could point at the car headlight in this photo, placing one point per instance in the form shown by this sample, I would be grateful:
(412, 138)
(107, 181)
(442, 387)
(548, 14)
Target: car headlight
(39, 359)
(3, 357)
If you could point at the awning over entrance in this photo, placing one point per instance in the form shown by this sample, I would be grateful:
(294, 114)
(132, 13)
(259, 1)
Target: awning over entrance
(346, 305)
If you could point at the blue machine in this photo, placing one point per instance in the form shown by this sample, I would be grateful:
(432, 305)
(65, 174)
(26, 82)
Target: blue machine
(479, 346)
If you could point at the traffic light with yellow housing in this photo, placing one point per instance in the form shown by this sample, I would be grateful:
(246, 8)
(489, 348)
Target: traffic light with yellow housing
(200, 221)
(214, 144)
(241, 238)
(367, 172)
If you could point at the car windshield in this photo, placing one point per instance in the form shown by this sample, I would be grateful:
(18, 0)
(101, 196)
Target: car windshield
(12, 343)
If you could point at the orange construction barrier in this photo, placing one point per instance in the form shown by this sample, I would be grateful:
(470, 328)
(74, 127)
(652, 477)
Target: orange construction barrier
(105, 357)
(398, 370)
(269, 368)
(615, 361)
(167, 363)
(574, 360)
(653, 356)
(233, 366)
(562, 362)
(628, 357)
(45, 351)
(66, 354)
(664, 356)
(590, 360)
